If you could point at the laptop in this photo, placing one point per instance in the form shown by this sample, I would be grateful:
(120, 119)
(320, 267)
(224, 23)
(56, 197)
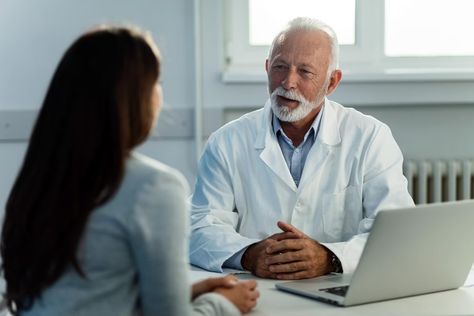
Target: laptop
(409, 251)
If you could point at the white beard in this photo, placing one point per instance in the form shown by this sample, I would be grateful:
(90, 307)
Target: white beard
(284, 113)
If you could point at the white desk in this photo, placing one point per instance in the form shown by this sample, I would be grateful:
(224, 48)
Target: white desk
(273, 302)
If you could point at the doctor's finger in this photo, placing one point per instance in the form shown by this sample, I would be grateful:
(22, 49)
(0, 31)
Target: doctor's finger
(287, 257)
(290, 267)
(290, 228)
(263, 272)
(284, 235)
(286, 245)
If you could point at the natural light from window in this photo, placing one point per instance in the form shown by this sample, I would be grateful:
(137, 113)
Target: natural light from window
(268, 17)
(423, 28)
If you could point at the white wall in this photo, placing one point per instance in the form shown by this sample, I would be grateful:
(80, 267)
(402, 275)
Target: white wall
(34, 35)
(429, 119)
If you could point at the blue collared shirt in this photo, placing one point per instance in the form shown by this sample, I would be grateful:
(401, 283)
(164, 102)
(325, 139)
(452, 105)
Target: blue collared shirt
(295, 158)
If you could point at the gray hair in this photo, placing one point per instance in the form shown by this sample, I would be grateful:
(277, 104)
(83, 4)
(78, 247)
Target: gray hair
(310, 24)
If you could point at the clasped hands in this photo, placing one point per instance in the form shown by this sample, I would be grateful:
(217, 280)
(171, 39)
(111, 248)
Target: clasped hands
(243, 294)
(288, 255)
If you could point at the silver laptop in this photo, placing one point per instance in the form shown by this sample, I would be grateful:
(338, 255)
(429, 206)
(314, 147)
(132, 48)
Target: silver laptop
(410, 251)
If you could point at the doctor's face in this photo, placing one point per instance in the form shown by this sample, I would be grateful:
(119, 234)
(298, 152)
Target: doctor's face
(297, 71)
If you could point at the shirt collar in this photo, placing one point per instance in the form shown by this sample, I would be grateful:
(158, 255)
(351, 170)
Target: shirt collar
(314, 127)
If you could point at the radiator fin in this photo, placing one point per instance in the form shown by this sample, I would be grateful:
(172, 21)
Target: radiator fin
(431, 181)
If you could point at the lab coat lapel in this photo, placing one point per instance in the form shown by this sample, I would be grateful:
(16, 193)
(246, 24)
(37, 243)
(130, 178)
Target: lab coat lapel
(319, 157)
(271, 153)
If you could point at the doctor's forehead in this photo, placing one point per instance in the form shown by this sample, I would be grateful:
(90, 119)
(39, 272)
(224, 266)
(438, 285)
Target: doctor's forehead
(301, 42)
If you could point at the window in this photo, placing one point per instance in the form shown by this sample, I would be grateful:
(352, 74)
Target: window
(263, 27)
(380, 40)
(437, 34)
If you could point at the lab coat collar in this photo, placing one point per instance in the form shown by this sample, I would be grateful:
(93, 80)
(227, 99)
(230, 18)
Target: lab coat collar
(264, 126)
(328, 131)
(271, 153)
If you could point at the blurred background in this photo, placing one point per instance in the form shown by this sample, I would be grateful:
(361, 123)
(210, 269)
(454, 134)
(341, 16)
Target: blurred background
(409, 63)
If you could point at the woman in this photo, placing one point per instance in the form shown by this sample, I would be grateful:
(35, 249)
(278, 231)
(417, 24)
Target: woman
(90, 227)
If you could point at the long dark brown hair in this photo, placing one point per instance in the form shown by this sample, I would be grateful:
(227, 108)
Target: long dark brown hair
(97, 108)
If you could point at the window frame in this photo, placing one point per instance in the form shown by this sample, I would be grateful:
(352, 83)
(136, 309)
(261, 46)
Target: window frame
(363, 62)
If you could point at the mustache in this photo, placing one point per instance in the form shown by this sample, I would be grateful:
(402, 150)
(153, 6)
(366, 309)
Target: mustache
(289, 94)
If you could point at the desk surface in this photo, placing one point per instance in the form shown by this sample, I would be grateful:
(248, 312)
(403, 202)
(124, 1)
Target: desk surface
(273, 302)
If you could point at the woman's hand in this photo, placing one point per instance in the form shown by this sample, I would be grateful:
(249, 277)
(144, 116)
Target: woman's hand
(243, 295)
(211, 284)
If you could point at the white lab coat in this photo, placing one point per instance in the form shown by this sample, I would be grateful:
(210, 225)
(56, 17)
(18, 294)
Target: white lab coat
(244, 187)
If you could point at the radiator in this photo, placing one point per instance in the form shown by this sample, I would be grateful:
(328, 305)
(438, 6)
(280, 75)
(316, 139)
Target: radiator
(431, 181)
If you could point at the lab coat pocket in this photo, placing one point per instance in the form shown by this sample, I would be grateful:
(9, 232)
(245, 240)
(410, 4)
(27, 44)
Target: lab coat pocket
(338, 208)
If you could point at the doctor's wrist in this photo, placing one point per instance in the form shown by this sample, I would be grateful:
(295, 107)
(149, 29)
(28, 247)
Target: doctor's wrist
(247, 262)
(334, 263)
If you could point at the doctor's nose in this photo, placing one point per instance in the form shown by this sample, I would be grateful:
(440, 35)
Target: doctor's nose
(291, 80)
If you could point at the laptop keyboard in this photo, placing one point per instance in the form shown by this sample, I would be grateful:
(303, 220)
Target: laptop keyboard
(338, 290)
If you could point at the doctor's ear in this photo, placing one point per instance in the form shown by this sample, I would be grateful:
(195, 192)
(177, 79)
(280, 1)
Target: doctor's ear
(336, 77)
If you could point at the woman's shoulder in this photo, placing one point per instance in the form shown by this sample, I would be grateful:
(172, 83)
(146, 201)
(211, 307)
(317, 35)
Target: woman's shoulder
(141, 168)
(159, 191)
(147, 185)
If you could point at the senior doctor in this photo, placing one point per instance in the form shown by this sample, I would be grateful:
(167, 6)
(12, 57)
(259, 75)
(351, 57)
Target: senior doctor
(290, 191)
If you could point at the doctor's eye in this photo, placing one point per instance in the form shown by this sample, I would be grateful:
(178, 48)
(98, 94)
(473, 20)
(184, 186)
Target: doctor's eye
(307, 73)
(279, 67)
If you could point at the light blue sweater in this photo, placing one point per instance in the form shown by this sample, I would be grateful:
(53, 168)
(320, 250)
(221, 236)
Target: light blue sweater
(134, 254)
